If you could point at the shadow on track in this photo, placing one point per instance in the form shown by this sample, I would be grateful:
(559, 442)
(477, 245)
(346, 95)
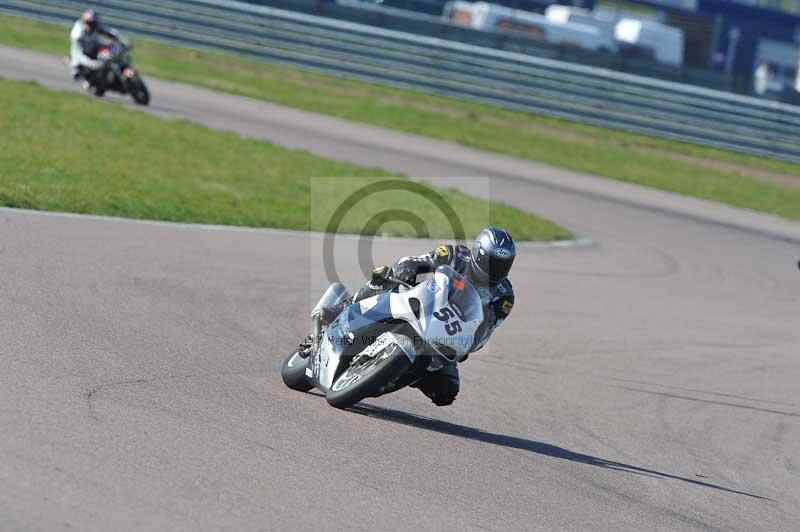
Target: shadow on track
(545, 449)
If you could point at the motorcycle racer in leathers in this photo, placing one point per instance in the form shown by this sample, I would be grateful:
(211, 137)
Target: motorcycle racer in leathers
(486, 266)
(84, 44)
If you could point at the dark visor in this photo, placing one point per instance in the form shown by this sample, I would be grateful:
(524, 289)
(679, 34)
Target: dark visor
(496, 268)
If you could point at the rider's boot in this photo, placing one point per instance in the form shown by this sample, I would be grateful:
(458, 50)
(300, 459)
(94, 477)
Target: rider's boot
(94, 82)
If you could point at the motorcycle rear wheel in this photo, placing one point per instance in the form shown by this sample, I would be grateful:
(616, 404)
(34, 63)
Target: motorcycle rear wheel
(293, 373)
(366, 377)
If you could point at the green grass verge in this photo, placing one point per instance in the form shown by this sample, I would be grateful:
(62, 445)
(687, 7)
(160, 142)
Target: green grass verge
(737, 179)
(66, 152)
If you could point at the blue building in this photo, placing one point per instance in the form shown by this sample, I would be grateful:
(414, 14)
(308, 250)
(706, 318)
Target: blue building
(725, 35)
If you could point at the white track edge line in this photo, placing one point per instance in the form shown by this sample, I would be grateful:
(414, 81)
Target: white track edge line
(578, 241)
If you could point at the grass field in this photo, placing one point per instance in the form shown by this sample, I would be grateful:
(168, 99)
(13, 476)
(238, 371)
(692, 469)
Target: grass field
(741, 180)
(66, 152)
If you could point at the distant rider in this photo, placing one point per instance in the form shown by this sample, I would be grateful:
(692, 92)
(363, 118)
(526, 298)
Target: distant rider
(85, 44)
(486, 267)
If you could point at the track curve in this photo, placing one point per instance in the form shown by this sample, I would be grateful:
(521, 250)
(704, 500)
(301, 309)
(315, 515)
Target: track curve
(646, 382)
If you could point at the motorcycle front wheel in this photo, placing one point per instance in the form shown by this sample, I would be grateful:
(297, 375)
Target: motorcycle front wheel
(366, 376)
(293, 373)
(138, 90)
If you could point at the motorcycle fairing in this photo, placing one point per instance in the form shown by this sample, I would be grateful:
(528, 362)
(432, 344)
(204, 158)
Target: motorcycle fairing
(443, 311)
(358, 328)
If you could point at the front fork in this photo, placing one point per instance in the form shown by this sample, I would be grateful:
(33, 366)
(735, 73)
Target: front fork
(316, 332)
(334, 295)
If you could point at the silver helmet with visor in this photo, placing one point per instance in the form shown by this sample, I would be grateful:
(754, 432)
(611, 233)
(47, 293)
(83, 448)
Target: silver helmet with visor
(493, 254)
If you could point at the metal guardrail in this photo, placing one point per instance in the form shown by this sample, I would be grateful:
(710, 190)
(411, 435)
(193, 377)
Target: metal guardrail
(510, 80)
(382, 14)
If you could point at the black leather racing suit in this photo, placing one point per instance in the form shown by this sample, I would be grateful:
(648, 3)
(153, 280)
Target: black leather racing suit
(442, 386)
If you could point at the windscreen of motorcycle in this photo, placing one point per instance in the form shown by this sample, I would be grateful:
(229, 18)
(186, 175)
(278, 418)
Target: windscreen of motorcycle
(456, 314)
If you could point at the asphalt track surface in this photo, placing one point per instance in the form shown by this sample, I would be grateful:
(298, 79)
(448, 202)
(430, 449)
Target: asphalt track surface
(648, 381)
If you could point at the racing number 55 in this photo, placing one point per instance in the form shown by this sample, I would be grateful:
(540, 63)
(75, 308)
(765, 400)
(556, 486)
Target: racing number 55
(445, 314)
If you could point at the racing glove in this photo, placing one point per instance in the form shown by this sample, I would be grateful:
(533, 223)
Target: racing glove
(407, 271)
(381, 274)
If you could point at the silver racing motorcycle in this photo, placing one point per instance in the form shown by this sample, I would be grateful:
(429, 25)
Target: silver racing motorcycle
(386, 342)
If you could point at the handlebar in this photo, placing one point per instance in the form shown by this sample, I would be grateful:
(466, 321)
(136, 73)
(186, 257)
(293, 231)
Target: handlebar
(400, 282)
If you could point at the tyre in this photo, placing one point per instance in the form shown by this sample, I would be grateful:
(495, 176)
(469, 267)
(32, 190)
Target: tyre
(293, 373)
(138, 90)
(366, 376)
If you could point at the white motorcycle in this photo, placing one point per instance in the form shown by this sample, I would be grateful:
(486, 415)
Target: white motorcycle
(386, 342)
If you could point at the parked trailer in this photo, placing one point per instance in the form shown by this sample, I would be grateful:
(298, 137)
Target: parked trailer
(491, 17)
(665, 42)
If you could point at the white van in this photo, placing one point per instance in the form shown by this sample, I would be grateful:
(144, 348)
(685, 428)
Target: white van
(665, 42)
